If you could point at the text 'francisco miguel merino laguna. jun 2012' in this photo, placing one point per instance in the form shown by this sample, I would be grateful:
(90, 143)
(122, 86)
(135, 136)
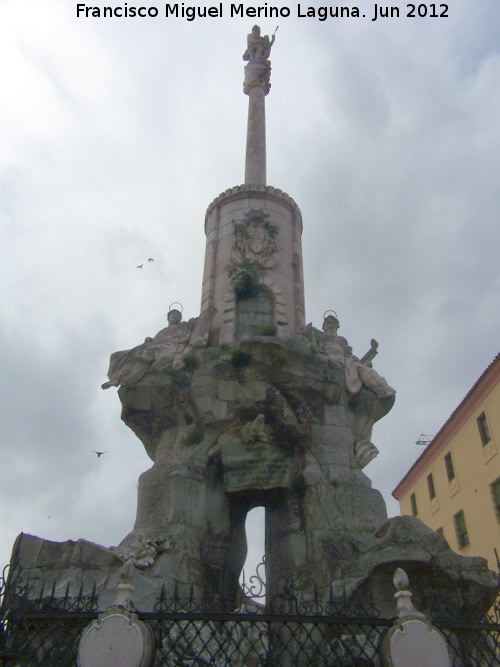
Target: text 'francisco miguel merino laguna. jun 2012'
(373, 12)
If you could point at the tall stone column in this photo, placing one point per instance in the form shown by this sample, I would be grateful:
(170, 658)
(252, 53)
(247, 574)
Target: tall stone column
(257, 86)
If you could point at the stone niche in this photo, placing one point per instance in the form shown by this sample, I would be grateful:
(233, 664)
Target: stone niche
(280, 423)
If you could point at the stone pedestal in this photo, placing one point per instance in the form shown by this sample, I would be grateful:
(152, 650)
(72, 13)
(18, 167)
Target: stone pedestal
(412, 641)
(273, 422)
(270, 226)
(117, 639)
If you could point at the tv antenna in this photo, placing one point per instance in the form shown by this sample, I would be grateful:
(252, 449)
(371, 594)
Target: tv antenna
(424, 439)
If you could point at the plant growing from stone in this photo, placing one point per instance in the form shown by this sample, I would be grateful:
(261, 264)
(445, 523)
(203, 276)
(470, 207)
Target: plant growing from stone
(240, 358)
(193, 437)
(244, 278)
(191, 361)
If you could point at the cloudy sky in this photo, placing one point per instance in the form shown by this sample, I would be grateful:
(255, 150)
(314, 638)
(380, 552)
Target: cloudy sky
(116, 134)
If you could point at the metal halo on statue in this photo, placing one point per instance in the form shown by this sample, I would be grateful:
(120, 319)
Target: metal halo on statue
(173, 304)
(330, 311)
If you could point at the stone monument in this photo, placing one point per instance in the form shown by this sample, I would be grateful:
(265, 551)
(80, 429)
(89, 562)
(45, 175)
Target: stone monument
(248, 406)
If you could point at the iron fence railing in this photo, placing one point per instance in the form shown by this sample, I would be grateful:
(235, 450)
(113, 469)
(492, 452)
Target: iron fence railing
(44, 629)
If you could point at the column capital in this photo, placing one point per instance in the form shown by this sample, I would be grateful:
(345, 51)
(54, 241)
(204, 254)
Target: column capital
(257, 73)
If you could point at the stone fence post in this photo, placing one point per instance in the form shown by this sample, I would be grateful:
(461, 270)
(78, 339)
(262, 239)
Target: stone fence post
(412, 641)
(117, 638)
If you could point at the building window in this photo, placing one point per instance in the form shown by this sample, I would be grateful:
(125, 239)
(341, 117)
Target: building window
(495, 495)
(461, 529)
(450, 470)
(484, 429)
(413, 500)
(432, 488)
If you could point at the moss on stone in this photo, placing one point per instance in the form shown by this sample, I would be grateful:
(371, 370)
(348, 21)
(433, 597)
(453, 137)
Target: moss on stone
(240, 358)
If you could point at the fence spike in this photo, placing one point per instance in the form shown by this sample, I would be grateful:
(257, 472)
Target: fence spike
(176, 599)
(94, 600)
(348, 642)
(65, 597)
(40, 596)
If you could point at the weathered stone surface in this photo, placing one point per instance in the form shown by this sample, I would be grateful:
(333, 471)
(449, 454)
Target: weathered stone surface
(414, 643)
(67, 554)
(258, 465)
(80, 564)
(441, 579)
(273, 422)
(116, 638)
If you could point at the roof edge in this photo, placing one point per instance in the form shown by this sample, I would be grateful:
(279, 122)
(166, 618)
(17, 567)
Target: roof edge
(434, 443)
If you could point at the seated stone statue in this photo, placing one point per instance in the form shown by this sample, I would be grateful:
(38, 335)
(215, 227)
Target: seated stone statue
(338, 353)
(371, 379)
(357, 372)
(165, 350)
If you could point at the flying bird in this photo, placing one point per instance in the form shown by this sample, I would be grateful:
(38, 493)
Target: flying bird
(140, 266)
(150, 259)
(99, 454)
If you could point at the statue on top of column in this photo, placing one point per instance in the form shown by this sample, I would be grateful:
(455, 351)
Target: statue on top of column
(258, 47)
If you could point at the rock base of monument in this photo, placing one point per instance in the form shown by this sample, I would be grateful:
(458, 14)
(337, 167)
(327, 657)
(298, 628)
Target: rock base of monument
(285, 424)
(443, 582)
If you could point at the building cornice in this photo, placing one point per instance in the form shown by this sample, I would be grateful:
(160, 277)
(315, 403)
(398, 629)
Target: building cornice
(474, 397)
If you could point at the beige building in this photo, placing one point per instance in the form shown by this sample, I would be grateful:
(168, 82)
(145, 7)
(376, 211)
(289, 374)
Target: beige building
(454, 486)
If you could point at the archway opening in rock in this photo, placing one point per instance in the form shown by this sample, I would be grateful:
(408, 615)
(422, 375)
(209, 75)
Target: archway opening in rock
(253, 576)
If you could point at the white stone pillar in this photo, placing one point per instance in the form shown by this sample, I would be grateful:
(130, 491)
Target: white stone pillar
(256, 87)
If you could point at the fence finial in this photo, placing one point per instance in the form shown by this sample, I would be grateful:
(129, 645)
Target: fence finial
(125, 587)
(117, 637)
(403, 596)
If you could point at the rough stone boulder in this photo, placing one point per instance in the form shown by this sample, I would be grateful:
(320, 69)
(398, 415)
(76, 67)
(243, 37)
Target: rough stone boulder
(281, 423)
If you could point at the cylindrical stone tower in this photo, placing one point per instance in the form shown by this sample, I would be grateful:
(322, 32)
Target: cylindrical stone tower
(253, 273)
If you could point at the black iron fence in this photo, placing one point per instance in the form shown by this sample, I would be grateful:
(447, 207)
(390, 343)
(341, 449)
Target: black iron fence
(189, 631)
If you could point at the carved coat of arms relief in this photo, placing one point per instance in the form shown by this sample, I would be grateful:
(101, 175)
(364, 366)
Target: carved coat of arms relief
(256, 240)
